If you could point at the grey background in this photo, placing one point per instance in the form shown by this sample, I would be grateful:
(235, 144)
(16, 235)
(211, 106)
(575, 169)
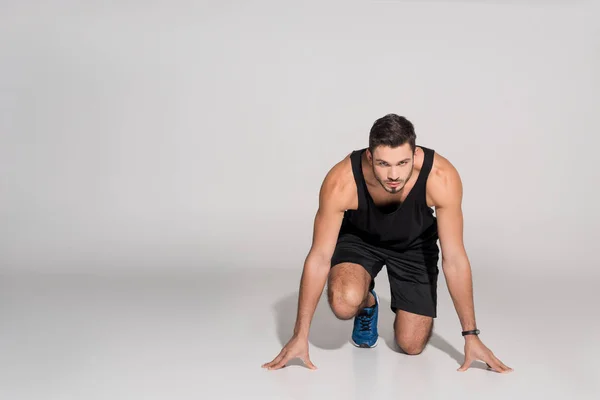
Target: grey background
(181, 136)
(160, 164)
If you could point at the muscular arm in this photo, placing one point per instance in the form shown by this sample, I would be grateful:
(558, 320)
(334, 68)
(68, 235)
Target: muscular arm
(446, 192)
(334, 194)
(318, 262)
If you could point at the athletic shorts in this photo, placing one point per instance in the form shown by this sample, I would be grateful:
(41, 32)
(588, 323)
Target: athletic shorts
(412, 273)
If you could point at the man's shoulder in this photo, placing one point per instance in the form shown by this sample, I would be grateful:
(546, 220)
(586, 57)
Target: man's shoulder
(441, 165)
(443, 181)
(339, 186)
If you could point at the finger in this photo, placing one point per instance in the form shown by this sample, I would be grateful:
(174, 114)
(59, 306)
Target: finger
(494, 363)
(502, 365)
(275, 361)
(466, 364)
(281, 363)
(308, 363)
(495, 367)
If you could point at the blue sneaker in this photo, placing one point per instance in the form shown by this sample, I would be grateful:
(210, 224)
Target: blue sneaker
(365, 333)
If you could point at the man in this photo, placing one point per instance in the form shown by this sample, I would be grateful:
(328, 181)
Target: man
(375, 209)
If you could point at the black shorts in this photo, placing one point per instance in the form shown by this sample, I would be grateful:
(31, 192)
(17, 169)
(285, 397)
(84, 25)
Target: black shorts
(412, 273)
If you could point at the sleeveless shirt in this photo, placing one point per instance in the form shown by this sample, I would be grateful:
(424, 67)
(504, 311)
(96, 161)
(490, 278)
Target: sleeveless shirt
(410, 226)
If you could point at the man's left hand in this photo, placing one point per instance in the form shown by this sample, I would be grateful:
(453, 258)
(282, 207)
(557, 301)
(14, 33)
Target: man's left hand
(476, 350)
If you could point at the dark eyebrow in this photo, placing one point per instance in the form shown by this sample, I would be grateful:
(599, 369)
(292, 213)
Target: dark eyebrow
(380, 160)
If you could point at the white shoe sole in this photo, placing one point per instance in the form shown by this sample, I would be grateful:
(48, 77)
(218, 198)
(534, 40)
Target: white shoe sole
(364, 346)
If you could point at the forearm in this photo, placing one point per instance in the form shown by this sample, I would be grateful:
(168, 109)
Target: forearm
(460, 285)
(314, 276)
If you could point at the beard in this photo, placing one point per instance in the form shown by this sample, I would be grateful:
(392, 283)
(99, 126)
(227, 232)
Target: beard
(384, 182)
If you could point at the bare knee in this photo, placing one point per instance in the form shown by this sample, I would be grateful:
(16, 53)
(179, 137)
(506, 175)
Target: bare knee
(412, 331)
(411, 348)
(345, 301)
(347, 289)
(410, 345)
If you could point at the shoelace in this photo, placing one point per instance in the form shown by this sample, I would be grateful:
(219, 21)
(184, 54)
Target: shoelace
(365, 322)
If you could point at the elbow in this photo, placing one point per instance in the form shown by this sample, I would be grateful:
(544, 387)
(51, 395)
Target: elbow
(318, 260)
(455, 263)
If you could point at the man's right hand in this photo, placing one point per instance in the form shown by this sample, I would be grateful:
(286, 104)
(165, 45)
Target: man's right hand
(296, 348)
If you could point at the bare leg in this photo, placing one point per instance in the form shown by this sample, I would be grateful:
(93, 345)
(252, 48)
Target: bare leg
(348, 290)
(412, 331)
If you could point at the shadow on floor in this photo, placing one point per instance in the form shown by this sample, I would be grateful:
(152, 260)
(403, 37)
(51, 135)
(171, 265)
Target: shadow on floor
(329, 333)
(326, 331)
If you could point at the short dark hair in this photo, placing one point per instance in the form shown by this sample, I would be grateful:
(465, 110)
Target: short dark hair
(393, 131)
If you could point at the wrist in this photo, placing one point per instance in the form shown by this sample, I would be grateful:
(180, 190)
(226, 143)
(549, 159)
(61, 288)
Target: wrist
(301, 334)
(471, 338)
(470, 334)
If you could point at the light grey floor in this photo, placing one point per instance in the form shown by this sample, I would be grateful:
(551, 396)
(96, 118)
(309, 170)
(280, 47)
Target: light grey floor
(205, 336)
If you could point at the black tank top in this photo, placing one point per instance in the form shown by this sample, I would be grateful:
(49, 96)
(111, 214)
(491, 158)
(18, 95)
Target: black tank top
(410, 226)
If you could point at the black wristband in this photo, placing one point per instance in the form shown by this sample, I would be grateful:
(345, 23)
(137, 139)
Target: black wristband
(473, 332)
